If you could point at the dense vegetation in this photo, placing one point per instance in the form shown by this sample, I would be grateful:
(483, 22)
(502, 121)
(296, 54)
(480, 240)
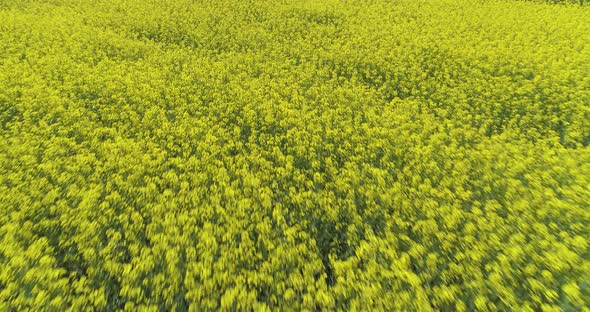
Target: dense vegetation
(305, 155)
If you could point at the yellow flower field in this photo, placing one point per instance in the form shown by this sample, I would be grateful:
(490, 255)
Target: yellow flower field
(304, 155)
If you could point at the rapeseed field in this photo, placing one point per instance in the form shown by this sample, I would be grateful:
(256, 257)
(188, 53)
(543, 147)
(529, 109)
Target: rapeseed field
(294, 155)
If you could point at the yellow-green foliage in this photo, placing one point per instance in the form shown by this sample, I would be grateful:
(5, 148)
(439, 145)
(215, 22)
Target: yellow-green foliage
(295, 155)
